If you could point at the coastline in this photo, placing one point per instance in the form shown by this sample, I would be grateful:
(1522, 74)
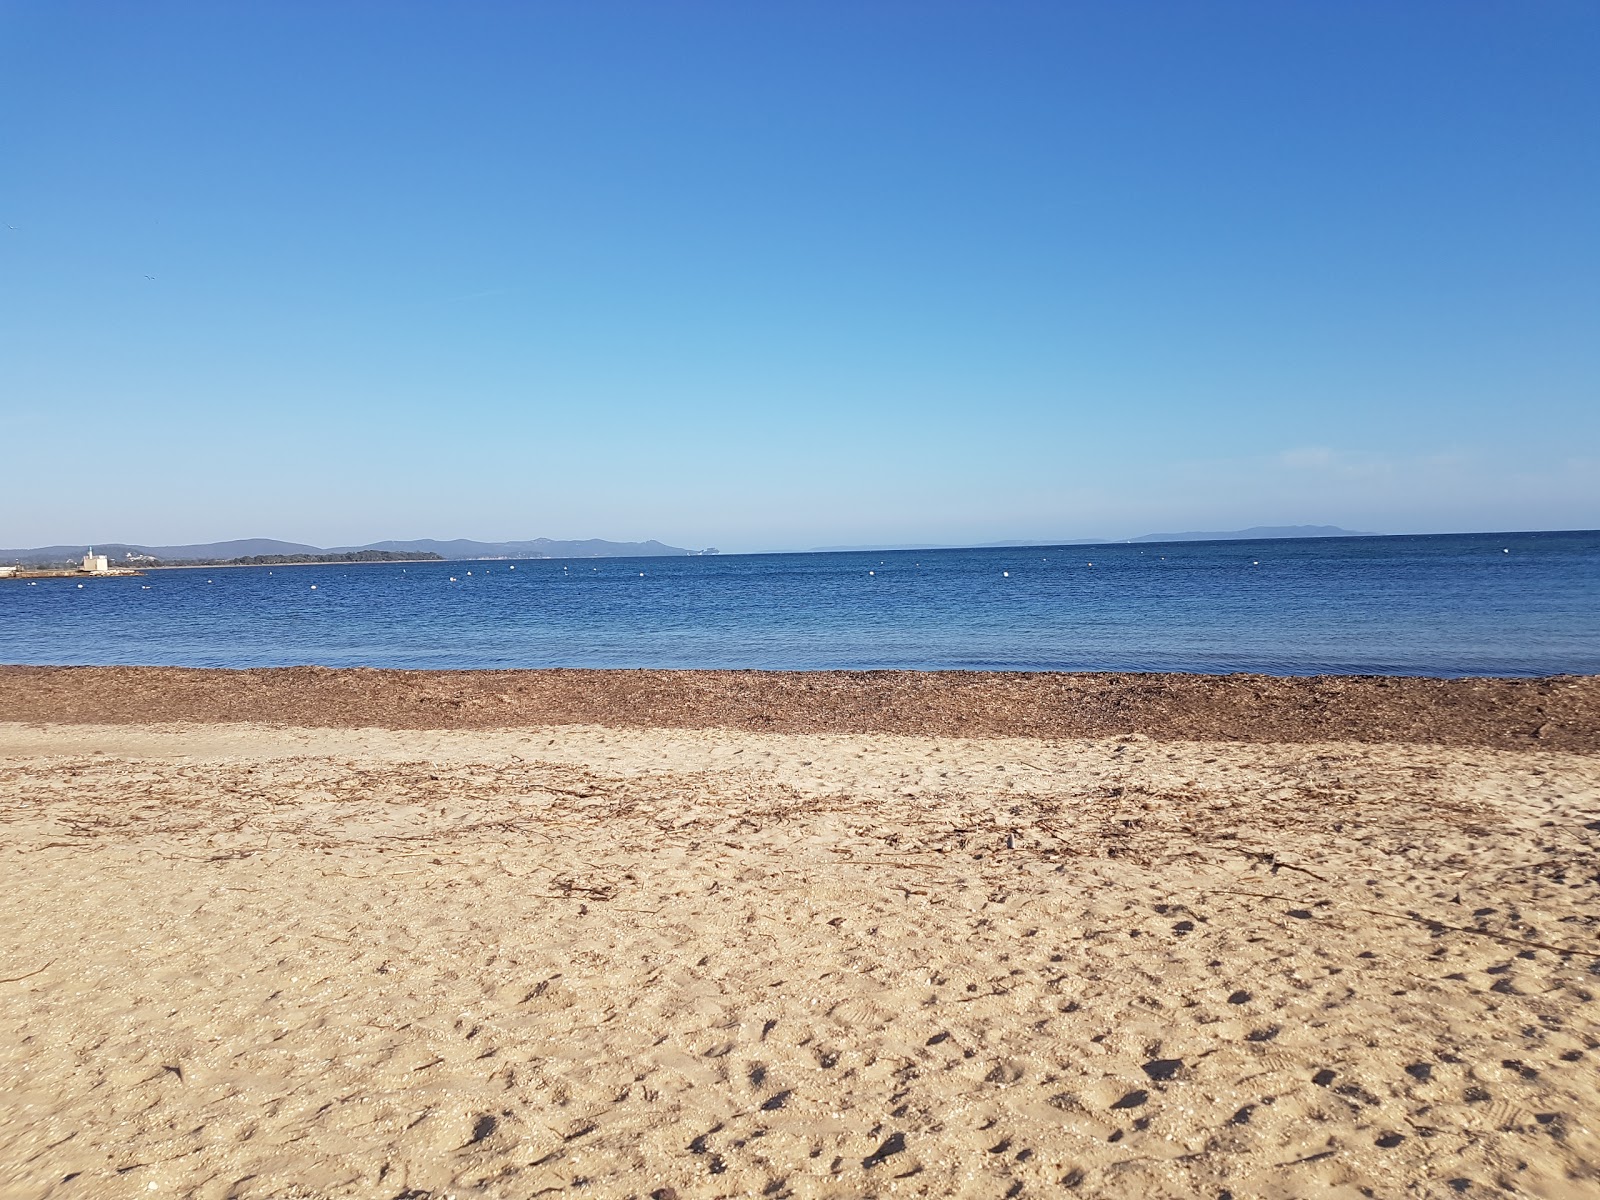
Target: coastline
(1552, 713)
(377, 562)
(72, 573)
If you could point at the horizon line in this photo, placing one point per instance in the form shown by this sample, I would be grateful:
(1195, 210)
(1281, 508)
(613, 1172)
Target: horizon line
(1196, 536)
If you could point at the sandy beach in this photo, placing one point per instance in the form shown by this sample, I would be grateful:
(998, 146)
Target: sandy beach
(346, 933)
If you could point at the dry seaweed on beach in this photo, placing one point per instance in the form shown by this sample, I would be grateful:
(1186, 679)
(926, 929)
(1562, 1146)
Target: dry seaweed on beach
(1561, 713)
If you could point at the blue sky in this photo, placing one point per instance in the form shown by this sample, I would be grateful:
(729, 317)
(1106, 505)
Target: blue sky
(780, 275)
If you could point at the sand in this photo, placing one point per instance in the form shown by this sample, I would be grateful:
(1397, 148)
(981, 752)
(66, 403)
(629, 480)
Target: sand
(262, 960)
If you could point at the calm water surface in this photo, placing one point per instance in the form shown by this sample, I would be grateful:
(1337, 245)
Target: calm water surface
(1492, 604)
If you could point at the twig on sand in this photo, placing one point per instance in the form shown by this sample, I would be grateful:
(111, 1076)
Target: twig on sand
(30, 974)
(1310, 1158)
(1271, 859)
(888, 862)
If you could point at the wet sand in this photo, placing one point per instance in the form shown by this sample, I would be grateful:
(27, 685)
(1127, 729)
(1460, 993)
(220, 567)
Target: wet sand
(364, 957)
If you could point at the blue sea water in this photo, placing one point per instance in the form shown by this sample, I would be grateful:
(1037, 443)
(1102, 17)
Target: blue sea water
(1475, 604)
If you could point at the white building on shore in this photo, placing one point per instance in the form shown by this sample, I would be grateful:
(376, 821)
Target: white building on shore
(95, 564)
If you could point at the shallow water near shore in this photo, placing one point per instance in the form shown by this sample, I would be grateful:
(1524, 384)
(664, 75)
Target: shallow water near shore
(1470, 604)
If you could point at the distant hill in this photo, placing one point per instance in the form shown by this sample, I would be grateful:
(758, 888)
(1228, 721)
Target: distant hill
(1256, 533)
(218, 552)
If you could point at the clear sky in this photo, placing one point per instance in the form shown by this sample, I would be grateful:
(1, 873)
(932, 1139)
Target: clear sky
(778, 275)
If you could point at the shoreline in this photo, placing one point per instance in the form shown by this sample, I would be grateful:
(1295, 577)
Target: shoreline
(72, 573)
(1550, 713)
(360, 562)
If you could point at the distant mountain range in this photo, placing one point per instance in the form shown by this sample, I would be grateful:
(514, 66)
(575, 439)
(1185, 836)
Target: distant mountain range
(243, 547)
(1256, 533)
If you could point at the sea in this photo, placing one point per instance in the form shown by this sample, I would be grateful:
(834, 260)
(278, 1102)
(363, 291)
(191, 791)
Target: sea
(1505, 604)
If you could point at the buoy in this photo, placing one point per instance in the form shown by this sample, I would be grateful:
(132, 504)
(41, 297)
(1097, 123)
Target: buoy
(452, 579)
(80, 585)
(1007, 574)
(869, 573)
(313, 587)
(641, 574)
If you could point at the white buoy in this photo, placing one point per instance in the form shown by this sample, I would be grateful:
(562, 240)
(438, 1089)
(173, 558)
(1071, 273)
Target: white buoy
(1007, 574)
(313, 587)
(80, 585)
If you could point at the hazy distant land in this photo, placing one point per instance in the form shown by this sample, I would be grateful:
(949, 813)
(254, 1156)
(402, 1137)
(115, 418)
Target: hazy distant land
(265, 551)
